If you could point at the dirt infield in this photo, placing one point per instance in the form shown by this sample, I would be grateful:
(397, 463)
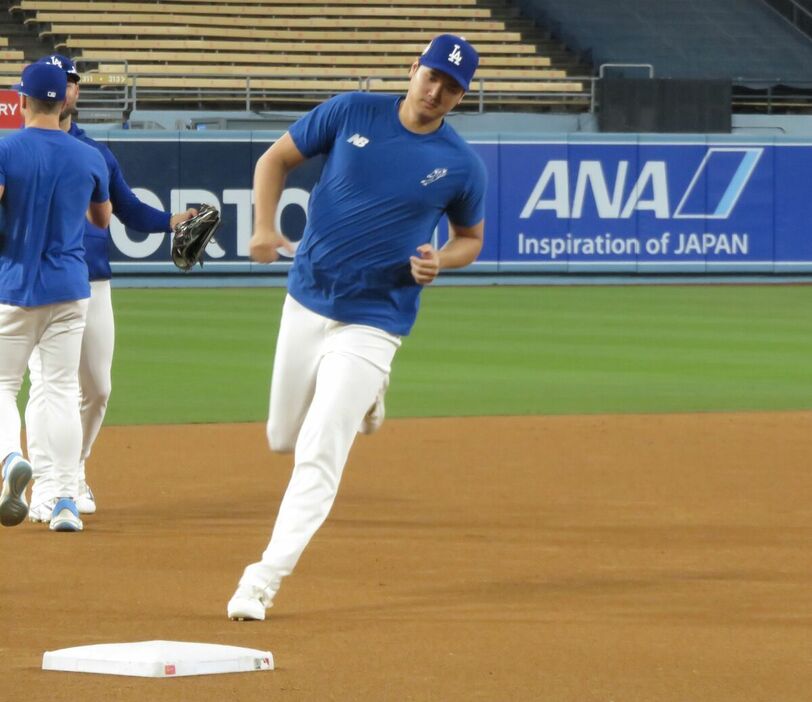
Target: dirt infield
(623, 558)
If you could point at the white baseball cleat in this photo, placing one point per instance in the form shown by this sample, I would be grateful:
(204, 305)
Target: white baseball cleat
(249, 603)
(65, 516)
(41, 511)
(374, 417)
(85, 501)
(17, 474)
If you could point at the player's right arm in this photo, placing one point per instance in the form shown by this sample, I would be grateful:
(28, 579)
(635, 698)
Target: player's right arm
(269, 181)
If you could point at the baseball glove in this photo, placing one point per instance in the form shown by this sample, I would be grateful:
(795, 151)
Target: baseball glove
(190, 238)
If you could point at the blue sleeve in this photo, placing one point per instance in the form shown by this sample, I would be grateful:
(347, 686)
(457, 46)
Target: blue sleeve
(316, 131)
(468, 208)
(101, 192)
(127, 207)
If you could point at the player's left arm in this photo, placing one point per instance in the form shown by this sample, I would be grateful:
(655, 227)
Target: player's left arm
(461, 249)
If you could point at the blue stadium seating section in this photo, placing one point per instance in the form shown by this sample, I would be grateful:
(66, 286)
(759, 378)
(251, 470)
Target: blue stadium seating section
(736, 39)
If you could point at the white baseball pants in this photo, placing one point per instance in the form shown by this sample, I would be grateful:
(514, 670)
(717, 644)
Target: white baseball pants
(57, 330)
(326, 376)
(95, 367)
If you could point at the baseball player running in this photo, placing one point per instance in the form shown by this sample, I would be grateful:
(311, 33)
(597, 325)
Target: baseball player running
(49, 183)
(98, 340)
(394, 166)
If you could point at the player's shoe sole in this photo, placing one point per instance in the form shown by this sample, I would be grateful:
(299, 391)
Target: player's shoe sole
(245, 610)
(17, 474)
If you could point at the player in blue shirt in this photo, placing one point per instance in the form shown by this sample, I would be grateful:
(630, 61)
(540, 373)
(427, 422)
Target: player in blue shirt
(98, 339)
(49, 183)
(394, 167)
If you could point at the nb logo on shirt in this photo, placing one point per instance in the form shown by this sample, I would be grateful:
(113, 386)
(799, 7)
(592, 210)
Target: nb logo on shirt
(358, 140)
(436, 174)
(455, 56)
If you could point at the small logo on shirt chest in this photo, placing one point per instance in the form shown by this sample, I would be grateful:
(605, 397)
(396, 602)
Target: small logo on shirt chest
(436, 174)
(358, 140)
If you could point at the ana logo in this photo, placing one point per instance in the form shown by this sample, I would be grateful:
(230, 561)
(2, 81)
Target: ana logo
(436, 174)
(714, 189)
(358, 140)
(455, 56)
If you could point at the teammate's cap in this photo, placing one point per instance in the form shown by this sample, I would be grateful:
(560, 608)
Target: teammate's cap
(43, 81)
(64, 63)
(452, 55)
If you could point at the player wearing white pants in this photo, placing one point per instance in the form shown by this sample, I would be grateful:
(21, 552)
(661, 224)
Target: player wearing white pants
(326, 377)
(95, 365)
(57, 329)
(99, 337)
(393, 168)
(50, 185)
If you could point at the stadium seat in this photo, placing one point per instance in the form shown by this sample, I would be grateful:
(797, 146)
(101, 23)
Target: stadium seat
(312, 47)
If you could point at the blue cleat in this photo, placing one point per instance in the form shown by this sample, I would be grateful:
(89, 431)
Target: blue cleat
(65, 516)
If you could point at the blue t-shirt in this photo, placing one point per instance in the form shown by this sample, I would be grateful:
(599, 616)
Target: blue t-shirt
(381, 193)
(126, 206)
(50, 179)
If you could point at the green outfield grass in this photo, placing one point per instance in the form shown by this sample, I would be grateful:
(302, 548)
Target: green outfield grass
(205, 355)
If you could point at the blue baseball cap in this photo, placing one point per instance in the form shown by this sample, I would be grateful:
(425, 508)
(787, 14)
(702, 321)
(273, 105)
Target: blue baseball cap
(43, 81)
(452, 55)
(65, 63)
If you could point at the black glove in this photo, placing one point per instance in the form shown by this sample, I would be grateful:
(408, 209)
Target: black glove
(190, 238)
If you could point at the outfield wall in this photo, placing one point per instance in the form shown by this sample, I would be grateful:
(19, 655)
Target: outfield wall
(570, 203)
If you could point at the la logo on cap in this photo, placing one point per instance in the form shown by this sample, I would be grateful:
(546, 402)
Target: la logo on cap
(452, 55)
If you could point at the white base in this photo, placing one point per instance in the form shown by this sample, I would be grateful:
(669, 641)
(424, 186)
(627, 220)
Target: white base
(157, 659)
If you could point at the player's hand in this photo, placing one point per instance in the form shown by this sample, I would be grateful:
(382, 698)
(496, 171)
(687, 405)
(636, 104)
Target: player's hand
(426, 266)
(264, 245)
(179, 217)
